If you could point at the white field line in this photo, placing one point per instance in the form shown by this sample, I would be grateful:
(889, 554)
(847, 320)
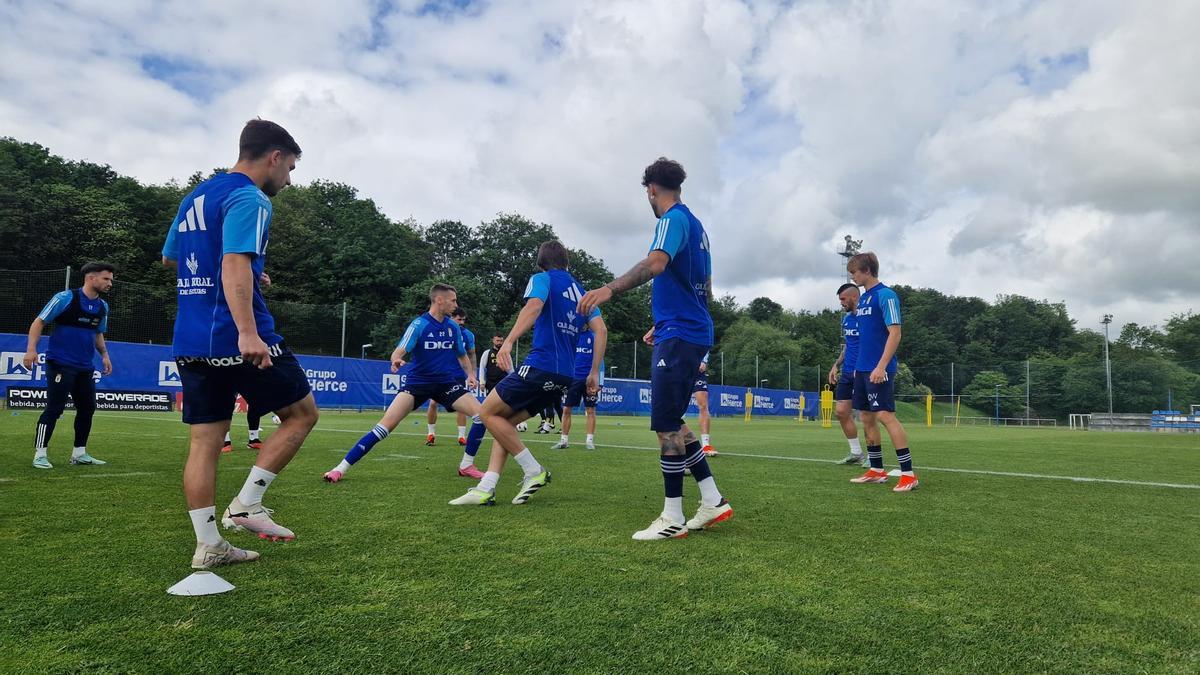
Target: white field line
(977, 472)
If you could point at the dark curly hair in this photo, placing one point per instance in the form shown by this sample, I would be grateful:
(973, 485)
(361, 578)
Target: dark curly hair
(665, 173)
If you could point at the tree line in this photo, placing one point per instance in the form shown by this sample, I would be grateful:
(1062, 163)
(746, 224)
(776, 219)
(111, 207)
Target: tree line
(330, 245)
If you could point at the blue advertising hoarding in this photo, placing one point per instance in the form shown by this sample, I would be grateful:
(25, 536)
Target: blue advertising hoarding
(369, 383)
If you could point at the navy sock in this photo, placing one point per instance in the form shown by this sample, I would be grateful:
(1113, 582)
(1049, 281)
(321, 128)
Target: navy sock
(672, 471)
(875, 455)
(697, 462)
(475, 437)
(364, 444)
(905, 459)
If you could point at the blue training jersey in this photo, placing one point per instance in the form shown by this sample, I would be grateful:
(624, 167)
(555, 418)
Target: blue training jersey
(556, 331)
(584, 349)
(468, 338)
(225, 214)
(433, 347)
(679, 299)
(77, 319)
(850, 335)
(878, 308)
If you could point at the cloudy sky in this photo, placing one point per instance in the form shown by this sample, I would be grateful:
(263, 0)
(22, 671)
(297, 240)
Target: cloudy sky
(1048, 148)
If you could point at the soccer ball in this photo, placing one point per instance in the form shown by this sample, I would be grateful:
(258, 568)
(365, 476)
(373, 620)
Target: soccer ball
(275, 420)
(522, 427)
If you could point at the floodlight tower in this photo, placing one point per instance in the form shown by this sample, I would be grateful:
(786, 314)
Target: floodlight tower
(1105, 320)
(853, 247)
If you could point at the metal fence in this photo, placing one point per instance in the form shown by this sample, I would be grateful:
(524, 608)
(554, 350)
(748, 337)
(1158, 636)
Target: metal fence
(1029, 389)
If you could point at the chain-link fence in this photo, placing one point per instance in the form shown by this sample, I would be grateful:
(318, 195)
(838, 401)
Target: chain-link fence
(1035, 388)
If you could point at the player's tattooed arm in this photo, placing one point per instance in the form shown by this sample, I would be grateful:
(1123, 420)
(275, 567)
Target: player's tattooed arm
(645, 270)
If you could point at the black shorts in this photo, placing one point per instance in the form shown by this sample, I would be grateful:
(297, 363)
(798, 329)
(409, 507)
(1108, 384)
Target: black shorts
(673, 370)
(870, 397)
(531, 389)
(441, 393)
(577, 393)
(701, 383)
(845, 387)
(211, 386)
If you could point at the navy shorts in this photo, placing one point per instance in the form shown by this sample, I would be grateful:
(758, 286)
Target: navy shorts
(211, 385)
(673, 370)
(577, 393)
(532, 390)
(870, 397)
(845, 387)
(701, 383)
(441, 393)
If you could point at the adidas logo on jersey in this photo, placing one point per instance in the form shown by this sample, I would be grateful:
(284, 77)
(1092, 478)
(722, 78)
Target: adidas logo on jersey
(662, 363)
(194, 217)
(572, 293)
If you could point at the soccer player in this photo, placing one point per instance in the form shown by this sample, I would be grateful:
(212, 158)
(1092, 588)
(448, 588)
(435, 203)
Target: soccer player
(841, 375)
(434, 342)
(875, 372)
(550, 302)
(681, 267)
(254, 430)
(577, 393)
(80, 318)
(460, 317)
(225, 340)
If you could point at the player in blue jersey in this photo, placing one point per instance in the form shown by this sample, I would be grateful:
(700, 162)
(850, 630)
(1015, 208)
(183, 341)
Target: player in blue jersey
(460, 317)
(879, 321)
(550, 303)
(80, 318)
(578, 394)
(225, 341)
(681, 267)
(441, 373)
(841, 375)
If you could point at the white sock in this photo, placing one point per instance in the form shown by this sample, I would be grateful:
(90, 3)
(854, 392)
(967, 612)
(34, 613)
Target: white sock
(462, 432)
(254, 434)
(704, 441)
(432, 429)
(467, 460)
(204, 522)
(256, 485)
(855, 447)
(907, 473)
(673, 510)
(489, 481)
(228, 439)
(591, 438)
(563, 438)
(39, 452)
(343, 466)
(528, 463)
(76, 453)
(709, 494)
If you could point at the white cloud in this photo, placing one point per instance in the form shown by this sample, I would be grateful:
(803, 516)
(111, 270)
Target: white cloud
(1046, 148)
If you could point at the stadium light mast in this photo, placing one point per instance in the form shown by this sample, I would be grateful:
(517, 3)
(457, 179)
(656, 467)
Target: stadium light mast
(853, 247)
(1105, 320)
(364, 350)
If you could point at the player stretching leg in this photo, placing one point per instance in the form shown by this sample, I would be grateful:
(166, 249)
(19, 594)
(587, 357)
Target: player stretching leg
(841, 375)
(875, 373)
(80, 318)
(225, 340)
(577, 393)
(550, 303)
(435, 343)
(681, 267)
(460, 317)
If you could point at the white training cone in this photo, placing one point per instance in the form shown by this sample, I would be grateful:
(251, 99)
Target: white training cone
(894, 472)
(201, 583)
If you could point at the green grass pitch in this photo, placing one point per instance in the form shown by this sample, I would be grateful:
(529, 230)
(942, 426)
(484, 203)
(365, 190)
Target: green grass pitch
(974, 572)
